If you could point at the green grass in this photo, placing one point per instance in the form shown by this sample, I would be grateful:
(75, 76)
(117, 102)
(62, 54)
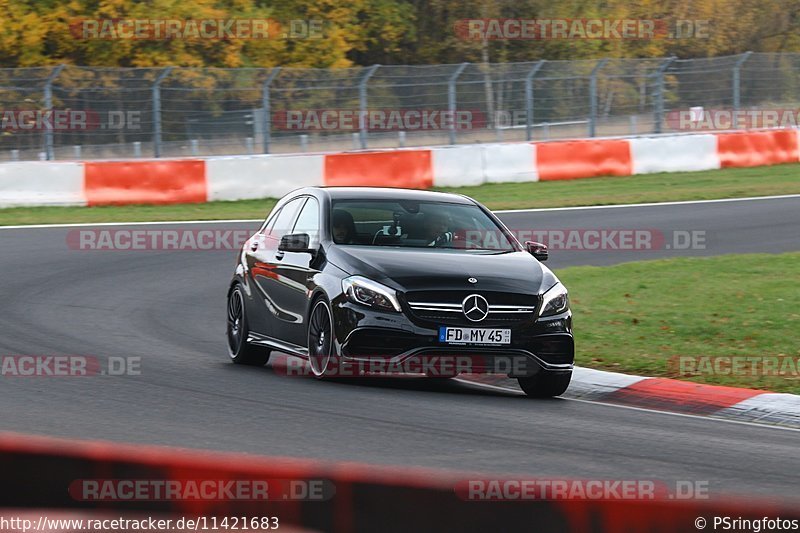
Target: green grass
(664, 187)
(725, 183)
(243, 209)
(634, 317)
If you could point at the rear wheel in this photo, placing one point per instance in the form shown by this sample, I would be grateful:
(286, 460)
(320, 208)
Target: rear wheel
(545, 384)
(240, 351)
(321, 339)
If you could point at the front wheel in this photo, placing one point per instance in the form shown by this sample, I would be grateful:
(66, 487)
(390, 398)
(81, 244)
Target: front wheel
(240, 351)
(545, 384)
(321, 339)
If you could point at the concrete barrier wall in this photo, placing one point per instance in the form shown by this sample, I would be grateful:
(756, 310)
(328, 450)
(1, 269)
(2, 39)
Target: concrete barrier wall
(566, 160)
(153, 181)
(757, 148)
(249, 177)
(681, 153)
(393, 168)
(41, 183)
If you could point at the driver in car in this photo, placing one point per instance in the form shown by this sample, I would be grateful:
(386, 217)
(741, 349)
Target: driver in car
(344, 228)
(438, 233)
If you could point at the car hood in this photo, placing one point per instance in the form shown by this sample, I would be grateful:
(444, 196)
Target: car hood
(407, 269)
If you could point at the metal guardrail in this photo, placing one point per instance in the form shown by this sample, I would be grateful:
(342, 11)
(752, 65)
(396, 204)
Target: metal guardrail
(176, 111)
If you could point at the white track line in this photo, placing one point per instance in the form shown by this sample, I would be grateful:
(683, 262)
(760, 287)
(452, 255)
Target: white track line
(151, 223)
(651, 204)
(532, 210)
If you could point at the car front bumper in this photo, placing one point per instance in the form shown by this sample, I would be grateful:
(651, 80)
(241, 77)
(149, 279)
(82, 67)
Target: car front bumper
(399, 341)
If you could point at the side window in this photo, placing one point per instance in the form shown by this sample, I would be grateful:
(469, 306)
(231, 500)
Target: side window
(285, 220)
(308, 222)
(269, 222)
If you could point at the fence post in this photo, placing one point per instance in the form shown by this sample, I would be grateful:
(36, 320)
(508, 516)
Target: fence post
(362, 105)
(451, 100)
(266, 106)
(157, 111)
(48, 105)
(659, 94)
(737, 67)
(593, 97)
(529, 99)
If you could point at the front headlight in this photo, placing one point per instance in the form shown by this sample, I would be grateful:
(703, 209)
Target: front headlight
(364, 291)
(555, 300)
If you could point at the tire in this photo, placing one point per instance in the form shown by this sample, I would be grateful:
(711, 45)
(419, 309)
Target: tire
(321, 338)
(545, 384)
(240, 351)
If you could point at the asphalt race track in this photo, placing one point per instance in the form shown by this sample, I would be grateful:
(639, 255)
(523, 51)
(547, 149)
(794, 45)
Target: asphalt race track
(168, 307)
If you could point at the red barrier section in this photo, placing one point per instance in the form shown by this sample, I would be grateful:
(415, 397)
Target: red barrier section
(145, 182)
(680, 396)
(38, 472)
(410, 169)
(757, 148)
(583, 159)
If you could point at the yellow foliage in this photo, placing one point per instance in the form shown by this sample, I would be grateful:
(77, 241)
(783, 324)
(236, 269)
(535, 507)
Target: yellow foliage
(360, 32)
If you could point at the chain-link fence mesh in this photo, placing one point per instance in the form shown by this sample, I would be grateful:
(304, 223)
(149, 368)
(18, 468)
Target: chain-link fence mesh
(94, 113)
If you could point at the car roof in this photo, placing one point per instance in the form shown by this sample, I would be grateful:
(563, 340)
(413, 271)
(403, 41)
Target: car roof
(389, 193)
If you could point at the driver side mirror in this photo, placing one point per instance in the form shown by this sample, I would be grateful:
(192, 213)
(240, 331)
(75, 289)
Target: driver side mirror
(537, 250)
(295, 242)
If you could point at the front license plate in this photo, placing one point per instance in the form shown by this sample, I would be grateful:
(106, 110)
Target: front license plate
(474, 335)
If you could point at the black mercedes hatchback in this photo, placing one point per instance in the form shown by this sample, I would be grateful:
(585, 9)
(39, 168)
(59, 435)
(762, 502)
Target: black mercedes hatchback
(369, 280)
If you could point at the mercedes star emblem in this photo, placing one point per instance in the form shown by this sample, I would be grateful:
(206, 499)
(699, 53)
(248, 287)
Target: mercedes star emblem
(475, 307)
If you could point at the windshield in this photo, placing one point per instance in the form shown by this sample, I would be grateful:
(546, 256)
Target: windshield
(416, 224)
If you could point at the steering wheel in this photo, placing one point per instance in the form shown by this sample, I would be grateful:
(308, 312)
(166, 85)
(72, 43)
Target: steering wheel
(443, 240)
